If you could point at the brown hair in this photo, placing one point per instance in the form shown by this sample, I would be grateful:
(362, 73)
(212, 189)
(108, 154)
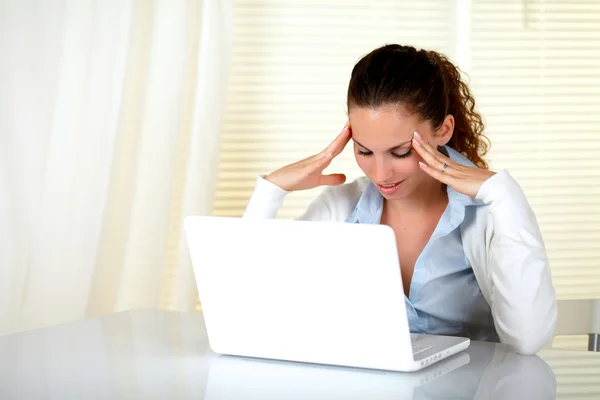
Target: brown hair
(426, 83)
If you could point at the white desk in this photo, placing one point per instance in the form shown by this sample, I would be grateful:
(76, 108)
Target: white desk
(164, 355)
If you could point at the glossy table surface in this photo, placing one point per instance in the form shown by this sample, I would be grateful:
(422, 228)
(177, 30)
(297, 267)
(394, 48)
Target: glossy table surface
(152, 354)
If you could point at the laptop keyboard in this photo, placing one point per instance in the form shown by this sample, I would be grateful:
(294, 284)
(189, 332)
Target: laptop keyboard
(418, 348)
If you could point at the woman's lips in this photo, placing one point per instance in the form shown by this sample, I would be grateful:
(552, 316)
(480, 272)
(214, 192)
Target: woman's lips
(388, 189)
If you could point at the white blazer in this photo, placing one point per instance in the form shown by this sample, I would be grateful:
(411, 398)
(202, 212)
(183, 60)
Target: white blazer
(501, 239)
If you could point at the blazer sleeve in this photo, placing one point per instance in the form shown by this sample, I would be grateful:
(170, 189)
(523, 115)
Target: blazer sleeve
(267, 198)
(523, 298)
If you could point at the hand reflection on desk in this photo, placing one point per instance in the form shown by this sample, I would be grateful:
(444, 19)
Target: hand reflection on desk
(481, 372)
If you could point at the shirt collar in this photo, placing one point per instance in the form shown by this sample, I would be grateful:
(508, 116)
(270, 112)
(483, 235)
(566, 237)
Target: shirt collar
(370, 205)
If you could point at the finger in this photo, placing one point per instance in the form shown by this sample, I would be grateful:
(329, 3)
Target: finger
(430, 155)
(319, 163)
(312, 159)
(332, 180)
(424, 145)
(339, 142)
(437, 173)
(342, 141)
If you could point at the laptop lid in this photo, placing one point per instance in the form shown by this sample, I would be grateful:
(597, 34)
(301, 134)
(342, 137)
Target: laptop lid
(320, 292)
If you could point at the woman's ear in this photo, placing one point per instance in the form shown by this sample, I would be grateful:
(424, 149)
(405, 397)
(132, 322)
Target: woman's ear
(445, 131)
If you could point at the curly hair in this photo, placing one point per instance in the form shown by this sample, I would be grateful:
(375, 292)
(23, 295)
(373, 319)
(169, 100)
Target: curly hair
(424, 82)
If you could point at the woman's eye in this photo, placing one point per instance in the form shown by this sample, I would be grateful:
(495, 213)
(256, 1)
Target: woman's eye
(368, 153)
(402, 155)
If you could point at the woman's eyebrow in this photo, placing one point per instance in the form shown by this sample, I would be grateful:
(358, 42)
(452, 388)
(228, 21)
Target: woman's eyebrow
(390, 149)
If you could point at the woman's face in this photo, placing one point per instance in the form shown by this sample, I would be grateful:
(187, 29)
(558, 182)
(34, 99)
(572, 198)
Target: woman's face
(383, 148)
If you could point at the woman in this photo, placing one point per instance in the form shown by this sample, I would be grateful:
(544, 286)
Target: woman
(471, 253)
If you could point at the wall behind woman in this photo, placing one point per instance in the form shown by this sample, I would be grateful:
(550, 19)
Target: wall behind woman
(534, 69)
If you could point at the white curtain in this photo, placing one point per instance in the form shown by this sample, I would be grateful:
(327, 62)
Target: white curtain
(109, 124)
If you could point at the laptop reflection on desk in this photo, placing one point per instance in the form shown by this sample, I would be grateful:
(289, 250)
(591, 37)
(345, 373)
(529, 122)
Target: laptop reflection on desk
(232, 377)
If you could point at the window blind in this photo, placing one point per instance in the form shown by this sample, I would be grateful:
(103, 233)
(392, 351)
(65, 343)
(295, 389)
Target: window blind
(576, 375)
(535, 69)
(535, 72)
(290, 70)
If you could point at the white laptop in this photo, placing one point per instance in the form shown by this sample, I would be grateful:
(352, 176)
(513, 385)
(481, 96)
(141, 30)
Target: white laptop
(315, 292)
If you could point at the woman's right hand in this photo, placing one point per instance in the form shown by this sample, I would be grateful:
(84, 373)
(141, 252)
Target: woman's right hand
(308, 173)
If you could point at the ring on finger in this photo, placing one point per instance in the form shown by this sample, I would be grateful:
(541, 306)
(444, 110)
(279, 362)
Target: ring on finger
(444, 167)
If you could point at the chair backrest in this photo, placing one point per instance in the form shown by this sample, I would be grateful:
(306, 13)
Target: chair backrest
(578, 317)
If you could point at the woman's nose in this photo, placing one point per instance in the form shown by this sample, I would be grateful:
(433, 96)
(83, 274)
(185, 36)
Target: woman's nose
(381, 172)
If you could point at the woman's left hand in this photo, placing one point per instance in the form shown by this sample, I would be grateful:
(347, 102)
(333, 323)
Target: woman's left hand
(463, 179)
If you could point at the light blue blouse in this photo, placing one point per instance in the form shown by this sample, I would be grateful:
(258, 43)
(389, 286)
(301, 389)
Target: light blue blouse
(444, 297)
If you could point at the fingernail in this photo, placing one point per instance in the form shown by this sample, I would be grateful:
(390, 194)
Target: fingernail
(422, 164)
(417, 134)
(416, 142)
